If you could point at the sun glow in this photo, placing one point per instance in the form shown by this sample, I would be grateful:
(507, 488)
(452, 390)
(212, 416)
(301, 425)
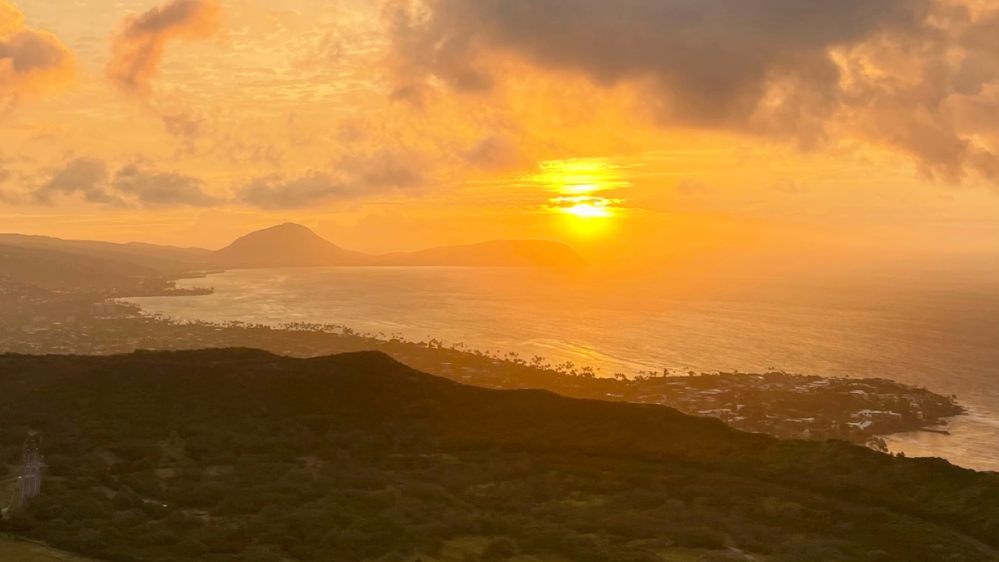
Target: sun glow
(576, 182)
(580, 176)
(588, 211)
(585, 207)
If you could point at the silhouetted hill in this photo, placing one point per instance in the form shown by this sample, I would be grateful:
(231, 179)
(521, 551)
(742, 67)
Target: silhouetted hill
(354, 457)
(165, 259)
(286, 245)
(293, 245)
(58, 271)
(515, 253)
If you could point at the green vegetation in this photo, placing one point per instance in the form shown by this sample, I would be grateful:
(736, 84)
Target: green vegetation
(239, 455)
(16, 550)
(779, 404)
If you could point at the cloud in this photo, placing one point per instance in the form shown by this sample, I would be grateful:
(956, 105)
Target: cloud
(158, 189)
(496, 153)
(137, 50)
(420, 51)
(596, 202)
(31, 61)
(7, 197)
(129, 186)
(353, 177)
(85, 176)
(882, 70)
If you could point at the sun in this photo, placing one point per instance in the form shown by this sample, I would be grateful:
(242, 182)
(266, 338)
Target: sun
(588, 211)
(585, 207)
(576, 187)
(580, 176)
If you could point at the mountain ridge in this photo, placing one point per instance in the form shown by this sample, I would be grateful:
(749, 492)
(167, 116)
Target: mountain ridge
(284, 245)
(55, 263)
(294, 245)
(362, 425)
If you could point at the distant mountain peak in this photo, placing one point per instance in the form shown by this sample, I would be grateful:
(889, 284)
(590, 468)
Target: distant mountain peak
(290, 226)
(294, 245)
(284, 245)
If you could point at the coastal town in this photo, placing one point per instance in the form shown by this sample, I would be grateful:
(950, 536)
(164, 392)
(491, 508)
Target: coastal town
(785, 405)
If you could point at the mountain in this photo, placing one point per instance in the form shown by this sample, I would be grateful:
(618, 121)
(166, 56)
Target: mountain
(293, 245)
(286, 245)
(55, 270)
(54, 263)
(520, 253)
(235, 455)
(164, 259)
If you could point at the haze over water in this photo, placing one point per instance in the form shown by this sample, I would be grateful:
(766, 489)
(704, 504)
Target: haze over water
(918, 327)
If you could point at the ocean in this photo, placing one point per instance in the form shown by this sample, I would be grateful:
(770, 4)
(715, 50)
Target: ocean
(931, 327)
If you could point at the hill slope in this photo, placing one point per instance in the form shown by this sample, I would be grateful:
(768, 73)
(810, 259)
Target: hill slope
(286, 245)
(293, 245)
(165, 259)
(356, 457)
(58, 270)
(506, 253)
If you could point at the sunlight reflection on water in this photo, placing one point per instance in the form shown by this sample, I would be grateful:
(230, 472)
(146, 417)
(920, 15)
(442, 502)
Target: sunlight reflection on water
(946, 340)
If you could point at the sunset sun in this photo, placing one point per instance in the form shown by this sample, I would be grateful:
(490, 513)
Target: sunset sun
(585, 207)
(499, 280)
(588, 211)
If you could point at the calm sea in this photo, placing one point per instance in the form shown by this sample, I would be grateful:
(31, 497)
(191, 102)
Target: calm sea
(919, 326)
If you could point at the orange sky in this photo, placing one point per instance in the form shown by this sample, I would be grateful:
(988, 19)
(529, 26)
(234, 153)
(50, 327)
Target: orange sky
(664, 128)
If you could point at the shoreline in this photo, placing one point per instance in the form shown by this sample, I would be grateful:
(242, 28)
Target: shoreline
(760, 402)
(123, 334)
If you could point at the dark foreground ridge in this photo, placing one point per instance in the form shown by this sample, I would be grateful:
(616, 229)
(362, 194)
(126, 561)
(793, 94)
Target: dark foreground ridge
(237, 454)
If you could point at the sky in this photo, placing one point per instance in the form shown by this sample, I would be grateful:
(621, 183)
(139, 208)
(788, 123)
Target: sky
(636, 130)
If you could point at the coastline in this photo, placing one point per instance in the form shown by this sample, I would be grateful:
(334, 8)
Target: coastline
(855, 341)
(494, 369)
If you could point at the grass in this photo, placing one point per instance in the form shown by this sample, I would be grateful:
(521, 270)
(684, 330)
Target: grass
(464, 548)
(7, 487)
(13, 549)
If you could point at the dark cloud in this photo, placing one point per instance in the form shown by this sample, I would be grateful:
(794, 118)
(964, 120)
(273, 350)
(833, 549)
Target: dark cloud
(279, 192)
(30, 60)
(712, 58)
(129, 186)
(353, 177)
(138, 48)
(29, 51)
(85, 176)
(420, 52)
(158, 189)
(785, 68)
(383, 170)
(185, 124)
(496, 152)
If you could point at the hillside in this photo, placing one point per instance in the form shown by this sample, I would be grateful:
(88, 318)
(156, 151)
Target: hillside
(515, 253)
(164, 259)
(286, 245)
(293, 245)
(54, 270)
(251, 456)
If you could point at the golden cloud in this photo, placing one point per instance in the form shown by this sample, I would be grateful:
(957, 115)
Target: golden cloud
(897, 73)
(31, 61)
(138, 49)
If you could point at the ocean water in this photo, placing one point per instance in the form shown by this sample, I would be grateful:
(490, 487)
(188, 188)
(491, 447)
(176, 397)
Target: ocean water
(933, 328)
